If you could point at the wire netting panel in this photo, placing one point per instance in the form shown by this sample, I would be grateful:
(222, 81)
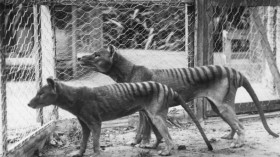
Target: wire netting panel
(21, 42)
(85, 28)
(149, 34)
(236, 42)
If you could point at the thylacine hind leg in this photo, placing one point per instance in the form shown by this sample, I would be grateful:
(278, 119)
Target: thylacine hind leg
(232, 132)
(228, 115)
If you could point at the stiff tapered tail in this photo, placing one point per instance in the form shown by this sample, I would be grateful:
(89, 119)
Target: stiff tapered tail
(246, 84)
(180, 100)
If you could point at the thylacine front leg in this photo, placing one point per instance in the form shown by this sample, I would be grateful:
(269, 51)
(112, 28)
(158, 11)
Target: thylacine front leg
(144, 130)
(83, 144)
(95, 128)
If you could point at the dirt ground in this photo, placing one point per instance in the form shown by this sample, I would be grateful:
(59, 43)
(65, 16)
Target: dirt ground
(115, 141)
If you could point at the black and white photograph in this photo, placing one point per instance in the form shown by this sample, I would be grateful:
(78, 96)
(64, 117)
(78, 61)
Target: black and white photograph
(139, 78)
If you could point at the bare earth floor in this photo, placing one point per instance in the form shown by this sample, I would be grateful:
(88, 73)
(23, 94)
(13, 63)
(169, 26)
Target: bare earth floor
(116, 142)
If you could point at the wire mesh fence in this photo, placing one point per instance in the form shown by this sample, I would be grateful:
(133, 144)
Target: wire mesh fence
(24, 30)
(236, 42)
(82, 29)
(46, 40)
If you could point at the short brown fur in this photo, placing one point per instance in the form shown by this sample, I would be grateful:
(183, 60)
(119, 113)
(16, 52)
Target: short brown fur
(218, 84)
(93, 105)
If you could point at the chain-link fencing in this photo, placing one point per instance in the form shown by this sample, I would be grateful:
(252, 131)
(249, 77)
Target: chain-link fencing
(236, 42)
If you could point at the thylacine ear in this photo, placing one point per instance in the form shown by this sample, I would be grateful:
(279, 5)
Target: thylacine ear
(112, 49)
(51, 82)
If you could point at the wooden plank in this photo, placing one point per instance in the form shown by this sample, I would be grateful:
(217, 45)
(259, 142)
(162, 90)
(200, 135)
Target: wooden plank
(268, 53)
(47, 46)
(38, 59)
(246, 3)
(250, 107)
(33, 142)
(277, 36)
(230, 3)
(191, 33)
(71, 2)
(186, 30)
(74, 40)
(3, 105)
(200, 50)
(208, 34)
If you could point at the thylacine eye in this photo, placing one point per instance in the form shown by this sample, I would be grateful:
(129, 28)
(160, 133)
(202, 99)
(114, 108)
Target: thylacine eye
(40, 94)
(97, 55)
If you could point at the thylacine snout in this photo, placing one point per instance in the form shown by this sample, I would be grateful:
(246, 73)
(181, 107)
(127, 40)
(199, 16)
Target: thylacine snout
(86, 60)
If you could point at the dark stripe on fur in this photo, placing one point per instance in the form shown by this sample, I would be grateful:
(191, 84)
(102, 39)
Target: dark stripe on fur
(219, 71)
(211, 68)
(182, 76)
(200, 79)
(205, 73)
(186, 74)
(151, 86)
(145, 88)
(132, 89)
(192, 74)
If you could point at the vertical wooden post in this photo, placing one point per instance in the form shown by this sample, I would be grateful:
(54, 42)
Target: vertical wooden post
(191, 33)
(203, 50)
(47, 46)
(265, 44)
(38, 60)
(277, 36)
(186, 30)
(74, 40)
(208, 57)
(198, 50)
(55, 113)
(3, 105)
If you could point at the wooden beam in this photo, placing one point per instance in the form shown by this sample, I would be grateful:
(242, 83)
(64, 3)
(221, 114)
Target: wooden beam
(204, 48)
(246, 3)
(47, 46)
(249, 107)
(94, 1)
(186, 31)
(190, 45)
(38, 59)
(3, 103)
(268, 53)
(230, 3)
(33, 142)
(74, 40)
(199, 50)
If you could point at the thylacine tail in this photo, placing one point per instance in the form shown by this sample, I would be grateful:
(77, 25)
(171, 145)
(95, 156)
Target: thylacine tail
(180, 100)
(246, 84)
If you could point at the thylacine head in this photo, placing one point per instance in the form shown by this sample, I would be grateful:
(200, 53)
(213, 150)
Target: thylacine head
(46, 95)
(102, 60)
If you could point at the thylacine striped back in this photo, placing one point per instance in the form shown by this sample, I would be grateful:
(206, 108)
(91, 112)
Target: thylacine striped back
(143, 89)
(217, 84)
(204, 74)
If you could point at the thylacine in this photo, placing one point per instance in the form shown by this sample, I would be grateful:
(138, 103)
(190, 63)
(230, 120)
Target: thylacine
(218, 84)
(94, 105)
